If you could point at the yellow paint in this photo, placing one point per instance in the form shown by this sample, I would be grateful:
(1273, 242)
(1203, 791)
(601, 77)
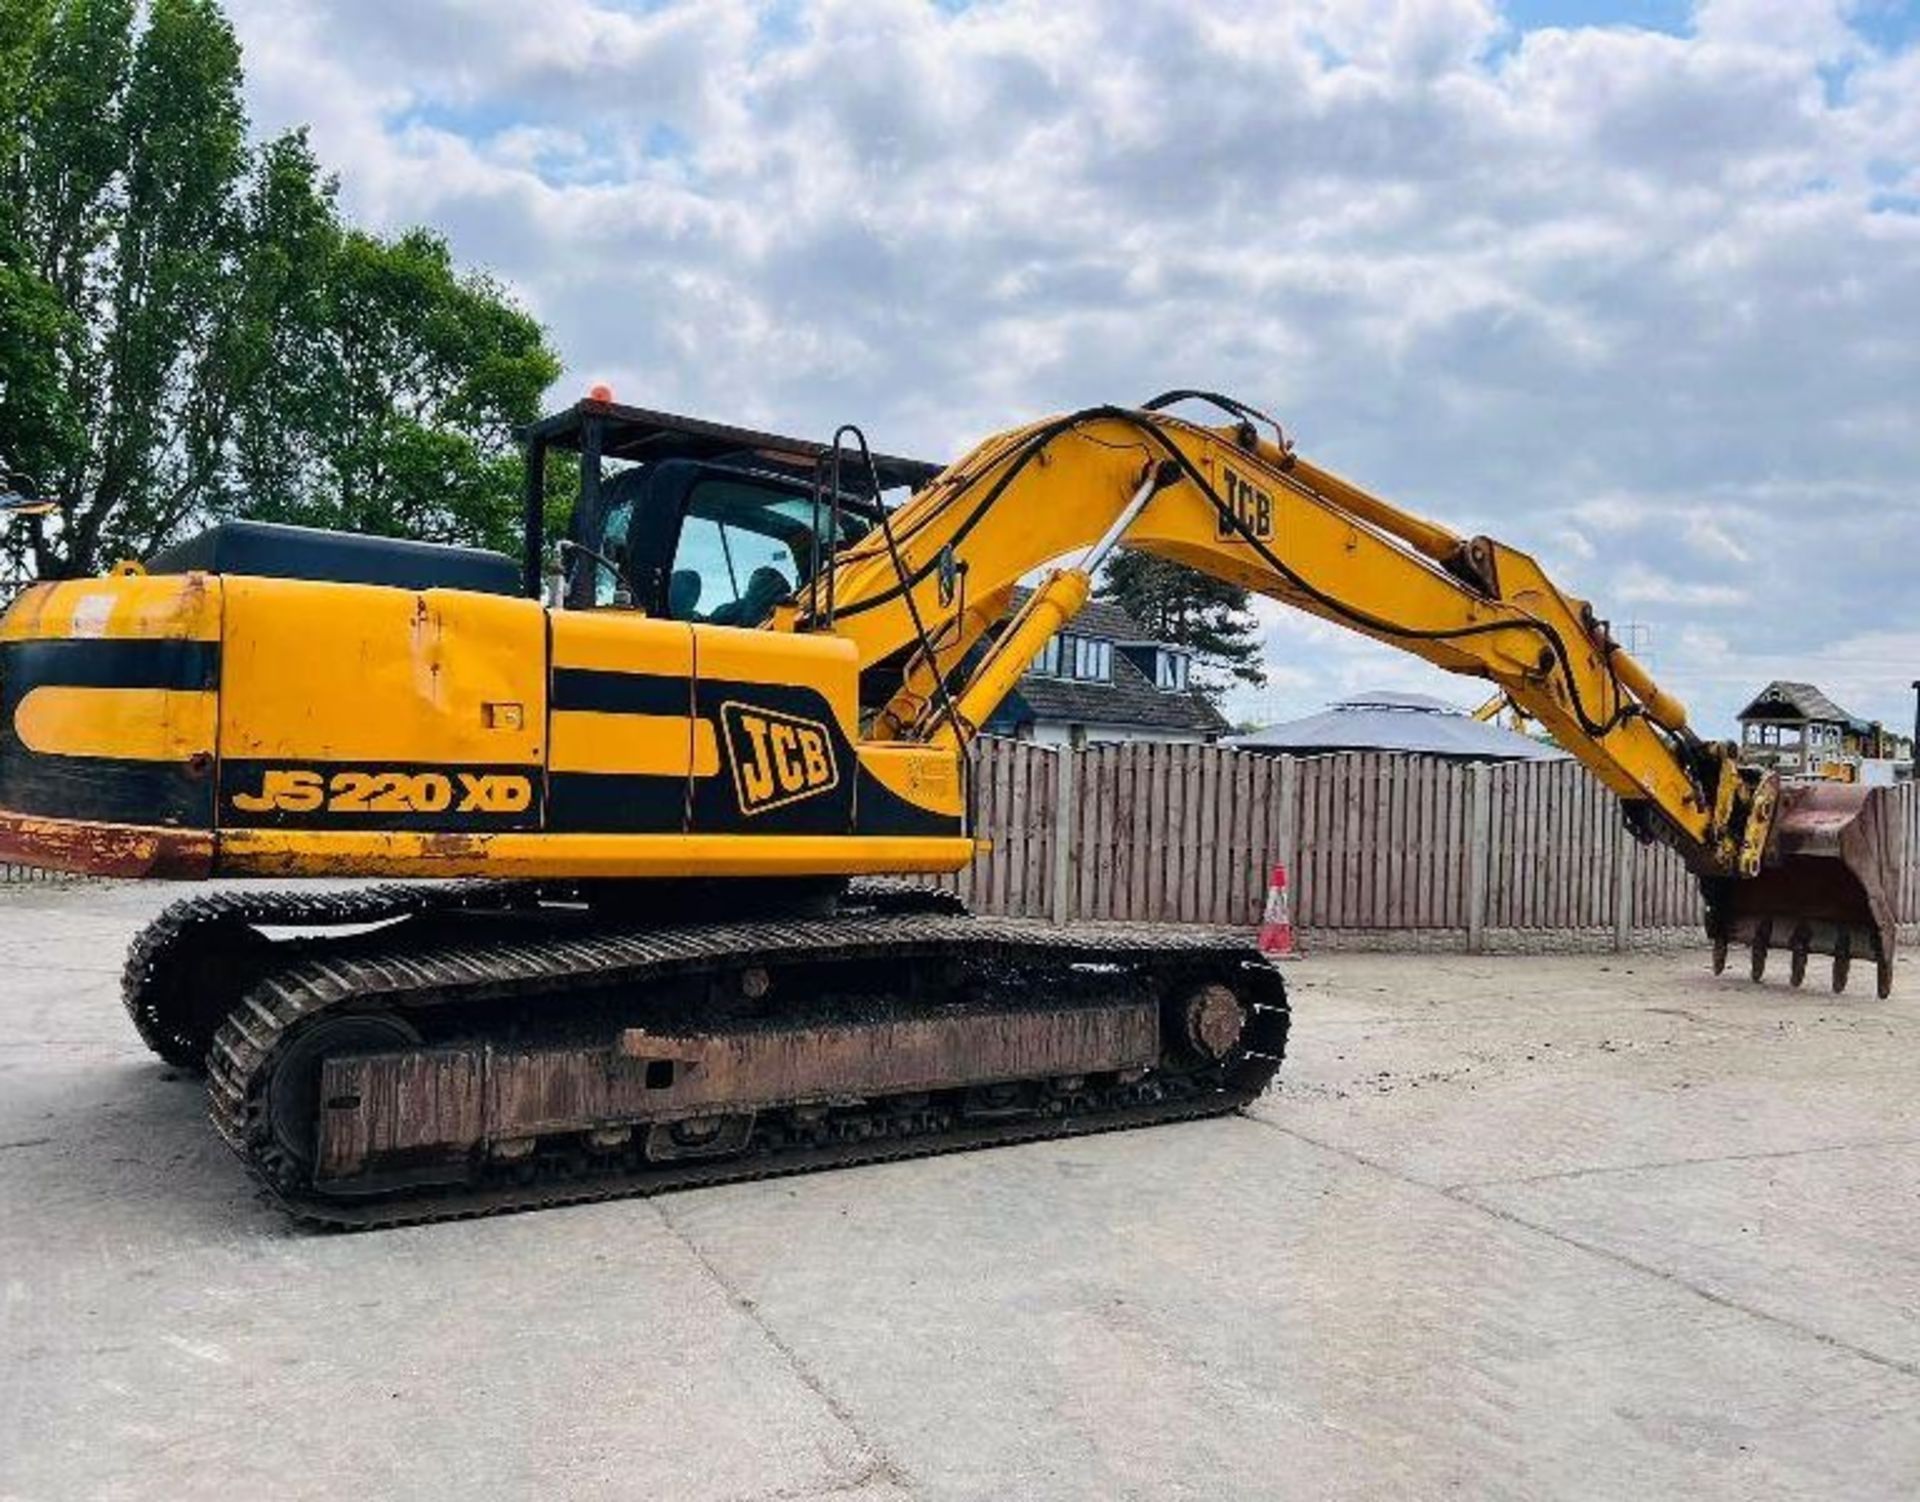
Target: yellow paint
(1472, 606)
(659, 745)
(826, 664)
(363, 673)
(922, 775)
(317, 672)
(1056, 601)
(621, 641)
(587, 740)
(141, 724)
(183, 607)
(270, 852)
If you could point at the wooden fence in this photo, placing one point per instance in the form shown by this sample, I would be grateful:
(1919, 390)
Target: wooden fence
(1371, 842)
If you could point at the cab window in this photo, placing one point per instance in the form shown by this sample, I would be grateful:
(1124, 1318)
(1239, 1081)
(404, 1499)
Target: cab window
(744, 548)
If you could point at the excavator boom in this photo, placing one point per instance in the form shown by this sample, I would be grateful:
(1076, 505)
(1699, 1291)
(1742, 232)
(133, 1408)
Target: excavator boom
(1800, 868)
(748, 692)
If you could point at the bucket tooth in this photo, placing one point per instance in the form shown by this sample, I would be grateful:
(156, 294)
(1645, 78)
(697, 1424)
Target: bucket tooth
(1799, 949)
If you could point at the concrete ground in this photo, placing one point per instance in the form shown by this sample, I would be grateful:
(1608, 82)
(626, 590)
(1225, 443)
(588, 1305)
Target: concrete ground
(1548, 1227)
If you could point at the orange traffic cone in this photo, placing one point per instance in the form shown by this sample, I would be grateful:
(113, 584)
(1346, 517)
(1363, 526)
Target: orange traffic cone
(1276, 923)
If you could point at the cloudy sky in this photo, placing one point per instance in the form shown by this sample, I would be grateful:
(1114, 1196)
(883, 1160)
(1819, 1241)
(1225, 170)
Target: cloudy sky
(1632, 285)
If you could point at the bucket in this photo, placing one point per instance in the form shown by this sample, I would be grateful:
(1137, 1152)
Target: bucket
(1826, 886)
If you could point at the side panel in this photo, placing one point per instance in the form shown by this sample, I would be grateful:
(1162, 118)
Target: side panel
(359, 707)
(108, 690)
(624, 737)
(784, 711)
(910, 790)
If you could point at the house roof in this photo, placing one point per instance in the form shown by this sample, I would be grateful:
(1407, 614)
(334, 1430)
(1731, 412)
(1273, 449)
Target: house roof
(1783, 699)
(1398, 722)
(1129, 699)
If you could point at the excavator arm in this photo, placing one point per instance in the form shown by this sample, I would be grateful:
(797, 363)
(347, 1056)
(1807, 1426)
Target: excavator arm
(920, 599)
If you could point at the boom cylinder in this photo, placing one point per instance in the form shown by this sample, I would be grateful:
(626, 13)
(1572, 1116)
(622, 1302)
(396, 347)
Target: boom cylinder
(1051, 606)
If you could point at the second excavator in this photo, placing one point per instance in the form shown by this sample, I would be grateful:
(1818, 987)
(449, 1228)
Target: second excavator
(674, 764)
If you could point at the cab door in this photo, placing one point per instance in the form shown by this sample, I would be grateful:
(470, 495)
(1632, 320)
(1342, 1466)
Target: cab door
(624, 739)
(783, 714)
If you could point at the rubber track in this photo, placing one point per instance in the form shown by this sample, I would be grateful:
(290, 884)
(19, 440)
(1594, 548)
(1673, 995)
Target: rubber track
(156, 980)
(413, 978)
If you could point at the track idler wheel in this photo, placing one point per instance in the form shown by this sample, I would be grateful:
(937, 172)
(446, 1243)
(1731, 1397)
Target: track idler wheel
(1215, 1019)
(293, 1089)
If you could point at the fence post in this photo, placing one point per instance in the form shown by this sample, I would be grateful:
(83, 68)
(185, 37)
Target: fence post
(1479, 854)
(1063, 832)
(1288, 854)
(1623, 859)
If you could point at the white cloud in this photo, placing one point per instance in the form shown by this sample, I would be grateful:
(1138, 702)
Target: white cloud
(1638, 303)
(1638, 585)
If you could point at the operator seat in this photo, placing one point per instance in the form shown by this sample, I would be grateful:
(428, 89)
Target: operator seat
(683, 594)
(766, 587)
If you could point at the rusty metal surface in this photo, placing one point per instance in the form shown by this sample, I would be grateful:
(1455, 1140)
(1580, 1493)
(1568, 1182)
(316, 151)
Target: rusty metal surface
(896, 1054)
(1215, 1021)
(552, 977)
(1826, 887)
(406, 1105)
(449, 1100)
(452, 1099)
(85, 848)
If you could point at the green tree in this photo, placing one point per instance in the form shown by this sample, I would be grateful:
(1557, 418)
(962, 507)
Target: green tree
(380, 386)
(35, 416)
(189, 329)
(1178, 604)
(131, 142)
(428, 373)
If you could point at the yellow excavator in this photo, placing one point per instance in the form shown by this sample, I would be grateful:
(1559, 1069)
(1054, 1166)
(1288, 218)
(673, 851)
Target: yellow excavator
(681, 761)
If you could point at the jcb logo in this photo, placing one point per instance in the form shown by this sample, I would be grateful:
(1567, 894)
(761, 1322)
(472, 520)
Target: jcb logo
(1252, 505)
(777, 758)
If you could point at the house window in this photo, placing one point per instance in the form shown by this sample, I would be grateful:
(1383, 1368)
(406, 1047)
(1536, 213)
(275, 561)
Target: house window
(1170, 671)
(1086, 658)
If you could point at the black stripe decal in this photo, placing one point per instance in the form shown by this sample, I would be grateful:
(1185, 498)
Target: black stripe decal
(95, 663)
(880, 810)
(716, 800)
(106, 789)
(621, 693)
(380, 795)
(615, 803)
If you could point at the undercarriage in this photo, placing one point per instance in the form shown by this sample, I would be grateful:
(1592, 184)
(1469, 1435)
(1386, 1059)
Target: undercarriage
(413, 1053)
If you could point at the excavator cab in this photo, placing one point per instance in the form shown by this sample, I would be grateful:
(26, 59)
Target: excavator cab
(707, 543)
(696, 521)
